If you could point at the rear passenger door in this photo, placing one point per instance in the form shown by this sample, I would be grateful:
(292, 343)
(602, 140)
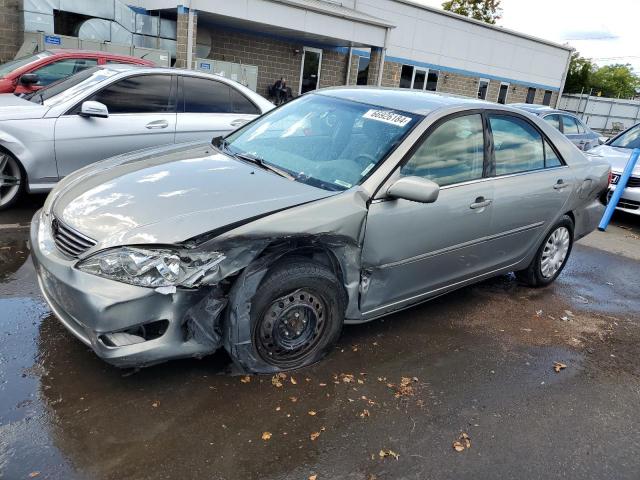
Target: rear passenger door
(141, 114)
(531, 186)
(209, 108)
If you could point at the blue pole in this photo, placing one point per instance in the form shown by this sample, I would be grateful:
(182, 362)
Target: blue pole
(617, 193)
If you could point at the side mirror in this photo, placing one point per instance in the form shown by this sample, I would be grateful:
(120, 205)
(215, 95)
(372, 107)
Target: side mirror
(94, 109)
(29, 79)
(416, 189)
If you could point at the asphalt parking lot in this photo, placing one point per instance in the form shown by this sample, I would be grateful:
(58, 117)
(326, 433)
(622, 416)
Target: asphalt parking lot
(479, 361)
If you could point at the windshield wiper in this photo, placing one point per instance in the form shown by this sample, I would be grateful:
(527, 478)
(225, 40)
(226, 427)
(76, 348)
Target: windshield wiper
(261, 163)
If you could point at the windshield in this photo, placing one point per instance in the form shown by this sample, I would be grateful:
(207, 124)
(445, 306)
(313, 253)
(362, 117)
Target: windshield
(628, 139)
(323, 141)
(71, 86)
(7, 68)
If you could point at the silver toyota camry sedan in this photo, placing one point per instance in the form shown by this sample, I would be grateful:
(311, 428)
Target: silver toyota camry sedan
(106, 111)
(339, 207)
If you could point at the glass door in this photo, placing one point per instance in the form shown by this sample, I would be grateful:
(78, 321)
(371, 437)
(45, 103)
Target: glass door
(310, 71)
(419, 78)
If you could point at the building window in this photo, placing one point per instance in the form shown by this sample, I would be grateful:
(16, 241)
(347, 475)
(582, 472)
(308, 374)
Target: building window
(531, 95)
(363, 70)
(502, 94)
(547, 97)
(419, 78)
(406, 76)
(432, 80)
(483, 86)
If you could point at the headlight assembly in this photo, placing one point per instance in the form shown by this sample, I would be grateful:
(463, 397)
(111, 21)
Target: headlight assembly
(151, 267)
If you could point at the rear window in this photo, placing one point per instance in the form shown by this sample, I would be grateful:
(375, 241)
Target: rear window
(7, 68)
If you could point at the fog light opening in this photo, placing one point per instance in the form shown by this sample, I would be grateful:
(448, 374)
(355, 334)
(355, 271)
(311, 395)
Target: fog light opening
(135, 335)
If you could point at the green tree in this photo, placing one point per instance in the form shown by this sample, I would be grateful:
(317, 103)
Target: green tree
(615, 81)
(488, 11)
(579, 74)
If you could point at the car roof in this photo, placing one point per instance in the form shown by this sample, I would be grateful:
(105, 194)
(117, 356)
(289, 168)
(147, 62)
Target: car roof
(538, 109)
(408, 100)
(73, 51)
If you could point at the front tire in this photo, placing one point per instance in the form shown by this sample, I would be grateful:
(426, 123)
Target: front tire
(11, 180)
(296, 317)
(551, 257)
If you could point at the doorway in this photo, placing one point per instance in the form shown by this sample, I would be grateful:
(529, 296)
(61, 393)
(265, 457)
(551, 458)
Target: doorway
(310, 71)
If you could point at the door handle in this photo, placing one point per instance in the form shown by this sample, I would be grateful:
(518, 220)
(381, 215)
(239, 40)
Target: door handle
(480, 202)
(157, 124)
(239, 121)
(560, 184)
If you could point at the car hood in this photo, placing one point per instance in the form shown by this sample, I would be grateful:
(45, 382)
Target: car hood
(16, 108)
(616, 157)
(171, 194)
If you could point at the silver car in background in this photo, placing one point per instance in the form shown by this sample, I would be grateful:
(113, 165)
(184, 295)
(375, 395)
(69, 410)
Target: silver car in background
(341, 206)
(617, 152)
(571, 126)
(106, 111)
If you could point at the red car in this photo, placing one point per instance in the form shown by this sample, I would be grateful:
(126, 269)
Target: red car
(27, 74)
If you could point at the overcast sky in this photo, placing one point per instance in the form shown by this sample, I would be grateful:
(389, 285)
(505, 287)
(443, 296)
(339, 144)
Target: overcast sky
(607, 31)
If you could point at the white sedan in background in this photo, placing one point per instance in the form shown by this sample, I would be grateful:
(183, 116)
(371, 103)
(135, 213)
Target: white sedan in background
(106, 111)
(617, 152)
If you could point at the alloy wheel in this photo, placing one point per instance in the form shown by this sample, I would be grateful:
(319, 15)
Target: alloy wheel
(555, 252)
(10, 179)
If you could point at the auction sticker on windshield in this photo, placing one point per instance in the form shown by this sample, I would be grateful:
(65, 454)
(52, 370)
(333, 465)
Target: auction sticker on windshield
(387, 117)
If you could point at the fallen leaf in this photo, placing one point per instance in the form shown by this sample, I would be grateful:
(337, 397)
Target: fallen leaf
(313, 477)
(156, 404)
(322, 384)
(293, 399)
(266, 436)
(277, 379)
(34, 474)
(314, 435)
(312, 413)
(277, 409)
(462, 443)
(293, 381)
(364, 413)
(388, 453)
(346, 377)
(557, 366)
(360, 381)
(245, 379)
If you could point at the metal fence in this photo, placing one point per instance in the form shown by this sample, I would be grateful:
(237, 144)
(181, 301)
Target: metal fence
(607, 115)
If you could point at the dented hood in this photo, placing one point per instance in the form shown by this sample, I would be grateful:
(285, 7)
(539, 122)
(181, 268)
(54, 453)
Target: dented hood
(171, 195)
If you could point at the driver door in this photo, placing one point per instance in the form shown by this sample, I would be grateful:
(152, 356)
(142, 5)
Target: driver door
(142, 113)
(415, 250)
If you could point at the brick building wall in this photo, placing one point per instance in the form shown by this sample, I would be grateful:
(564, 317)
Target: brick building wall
(274, 58)
(355, 62)
(333, 71)
(458, 84)
(11, 29)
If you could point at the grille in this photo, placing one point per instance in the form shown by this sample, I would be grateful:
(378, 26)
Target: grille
(634, 182)
(68, 241)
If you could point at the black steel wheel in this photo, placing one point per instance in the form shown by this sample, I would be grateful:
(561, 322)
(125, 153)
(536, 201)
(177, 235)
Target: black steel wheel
(296, 317)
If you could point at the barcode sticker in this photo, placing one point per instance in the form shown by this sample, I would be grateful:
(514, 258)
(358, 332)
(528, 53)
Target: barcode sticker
(387, 116)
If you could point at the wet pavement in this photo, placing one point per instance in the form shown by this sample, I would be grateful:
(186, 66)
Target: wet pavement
(478, 361)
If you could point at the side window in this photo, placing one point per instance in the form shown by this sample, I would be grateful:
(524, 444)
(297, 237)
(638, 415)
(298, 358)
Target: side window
(452, 153)
(553, 120)
(550, 157)
(140, 94)
(569, 125)
(518, 146)
(241, 104)
(581, 127)
(206, 96)
(62, 69)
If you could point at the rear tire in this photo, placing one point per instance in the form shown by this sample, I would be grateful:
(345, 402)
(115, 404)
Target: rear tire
(296, 315)
(551, 257)
(11, 180)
